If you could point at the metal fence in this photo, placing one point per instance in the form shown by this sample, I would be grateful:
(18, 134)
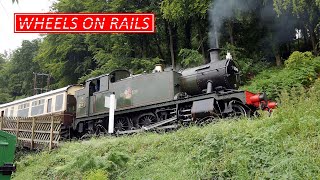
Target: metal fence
(33, 132)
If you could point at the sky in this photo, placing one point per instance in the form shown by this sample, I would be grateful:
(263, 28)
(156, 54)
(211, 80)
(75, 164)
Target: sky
(8, 39)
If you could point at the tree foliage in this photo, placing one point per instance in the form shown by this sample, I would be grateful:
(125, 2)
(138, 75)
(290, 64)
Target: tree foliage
(190, 58)
(301, 70)
(16, 73)
(307, 13)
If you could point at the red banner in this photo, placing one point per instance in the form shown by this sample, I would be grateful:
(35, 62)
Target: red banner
(84, 23)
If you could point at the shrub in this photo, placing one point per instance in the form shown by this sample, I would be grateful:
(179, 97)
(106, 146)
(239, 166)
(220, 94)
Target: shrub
(301, 70)
(297, 58)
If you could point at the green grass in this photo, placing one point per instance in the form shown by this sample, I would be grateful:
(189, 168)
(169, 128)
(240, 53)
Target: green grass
(283, 146)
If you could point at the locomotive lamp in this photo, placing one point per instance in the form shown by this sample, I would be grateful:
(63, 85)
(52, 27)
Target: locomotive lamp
(228, 56)
(158, 68)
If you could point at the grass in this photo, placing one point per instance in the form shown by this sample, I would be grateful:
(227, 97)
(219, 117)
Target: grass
(283, 146)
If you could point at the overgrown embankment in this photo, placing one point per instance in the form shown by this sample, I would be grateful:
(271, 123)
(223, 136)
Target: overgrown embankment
(285, 145)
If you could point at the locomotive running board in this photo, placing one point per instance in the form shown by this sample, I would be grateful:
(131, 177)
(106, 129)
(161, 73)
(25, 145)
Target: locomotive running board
(152, 126)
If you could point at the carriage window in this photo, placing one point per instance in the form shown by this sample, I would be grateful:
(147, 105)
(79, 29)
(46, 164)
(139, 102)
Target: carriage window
(11, 111)
(2, 113)
(59, 102)
(34, 103)
(49, 105)
(23, 106)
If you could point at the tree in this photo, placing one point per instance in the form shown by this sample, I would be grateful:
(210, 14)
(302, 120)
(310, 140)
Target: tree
(21, 67)
(185, 17)
(72, 57)
(16, 73)
(308, 14)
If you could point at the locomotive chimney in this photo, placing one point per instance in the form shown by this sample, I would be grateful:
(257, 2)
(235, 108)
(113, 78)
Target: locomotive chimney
(214, 54)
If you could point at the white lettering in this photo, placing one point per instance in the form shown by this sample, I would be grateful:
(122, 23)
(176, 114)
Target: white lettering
(37, 22)
(57, 23)
(99, 23)
(74, 23)
(26, 23)
(146, 23)
(114, 21)
(49, 23)
(90, 20)
(124, 24)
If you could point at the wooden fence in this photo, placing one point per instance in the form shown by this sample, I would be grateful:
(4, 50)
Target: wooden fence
(33, 132)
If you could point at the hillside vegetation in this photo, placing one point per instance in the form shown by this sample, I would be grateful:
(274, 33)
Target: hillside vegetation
(285, 145)
(300, 70)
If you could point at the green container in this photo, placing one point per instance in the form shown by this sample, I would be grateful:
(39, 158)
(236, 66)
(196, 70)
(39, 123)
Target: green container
(7, 150)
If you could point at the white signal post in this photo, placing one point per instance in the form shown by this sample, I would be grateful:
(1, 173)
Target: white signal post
(112, 107)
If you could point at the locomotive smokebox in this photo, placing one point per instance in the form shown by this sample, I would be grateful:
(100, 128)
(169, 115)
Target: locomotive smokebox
(214, 55)
(206, 78)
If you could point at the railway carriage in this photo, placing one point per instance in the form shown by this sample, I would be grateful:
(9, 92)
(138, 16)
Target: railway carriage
(56, 102)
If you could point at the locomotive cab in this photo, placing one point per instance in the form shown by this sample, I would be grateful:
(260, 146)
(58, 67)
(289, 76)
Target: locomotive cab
(90, 100)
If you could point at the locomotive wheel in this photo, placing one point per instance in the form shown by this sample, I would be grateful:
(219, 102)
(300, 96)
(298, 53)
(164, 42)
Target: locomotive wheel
(123, 124)
(238, 110)
(100, 130)
(146, 119)
(208, 120)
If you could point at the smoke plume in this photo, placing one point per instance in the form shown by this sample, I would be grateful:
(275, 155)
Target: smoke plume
(222, 10)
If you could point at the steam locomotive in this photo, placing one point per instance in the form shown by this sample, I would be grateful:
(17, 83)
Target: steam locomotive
(159, 100)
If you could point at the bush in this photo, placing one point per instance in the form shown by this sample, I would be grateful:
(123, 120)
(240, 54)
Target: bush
(297, 58)
(301, 70)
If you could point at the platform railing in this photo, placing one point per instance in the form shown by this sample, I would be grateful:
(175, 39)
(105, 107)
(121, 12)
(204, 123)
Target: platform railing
(34, 132)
